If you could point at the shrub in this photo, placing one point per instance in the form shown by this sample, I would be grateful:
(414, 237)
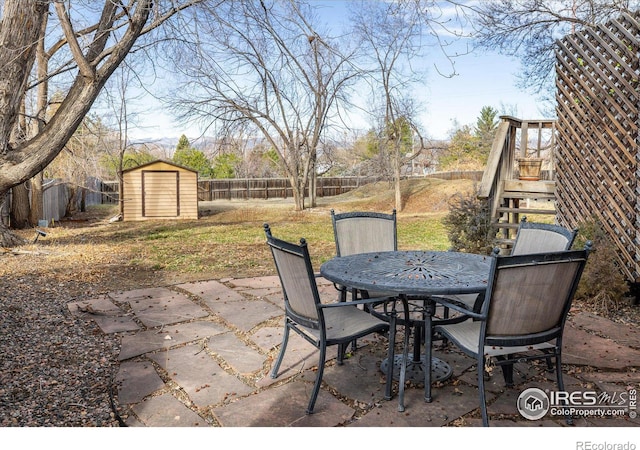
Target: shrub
(469, 223)
(603, 285)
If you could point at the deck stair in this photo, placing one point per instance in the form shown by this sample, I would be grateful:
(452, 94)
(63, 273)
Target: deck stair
(518, 199)
(510, 197)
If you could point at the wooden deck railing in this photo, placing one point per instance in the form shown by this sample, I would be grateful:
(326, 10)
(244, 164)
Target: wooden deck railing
(512, 141)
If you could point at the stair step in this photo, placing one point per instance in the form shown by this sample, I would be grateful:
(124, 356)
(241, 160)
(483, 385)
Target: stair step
(530, 195)
(512, 226)
(525, 210)
(547, 187)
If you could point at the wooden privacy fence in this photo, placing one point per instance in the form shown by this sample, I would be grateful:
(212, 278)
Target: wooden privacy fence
(266, 188)
(57, 195)
(597, 157)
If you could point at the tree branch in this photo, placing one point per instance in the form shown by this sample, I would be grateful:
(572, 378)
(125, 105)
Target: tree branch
(86, 70)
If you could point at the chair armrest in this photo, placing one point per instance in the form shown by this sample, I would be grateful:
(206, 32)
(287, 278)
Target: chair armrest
(453, 305)
(363, 301)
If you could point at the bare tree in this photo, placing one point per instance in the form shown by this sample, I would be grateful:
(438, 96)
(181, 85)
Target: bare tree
(392, 34)
(267, 63)
(93, 53)
(528, 29)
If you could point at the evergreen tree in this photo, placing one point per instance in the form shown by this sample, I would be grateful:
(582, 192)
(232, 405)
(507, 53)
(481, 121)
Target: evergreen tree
(224, 166)
(187, 156)
(486, 127)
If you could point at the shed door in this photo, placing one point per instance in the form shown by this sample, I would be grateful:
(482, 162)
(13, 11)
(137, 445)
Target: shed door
(160, 193)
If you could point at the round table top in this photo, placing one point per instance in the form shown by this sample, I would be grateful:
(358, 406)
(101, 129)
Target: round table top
(411, 272)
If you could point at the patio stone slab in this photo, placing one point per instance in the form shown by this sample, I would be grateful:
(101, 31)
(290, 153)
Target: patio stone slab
(156, 307)
(587, 349)
(136, 380)
(359, 378)
(202, 378)
(449, 403)
(211, 291)
(626, 377)
(268, 338)
(108, 316)
(167, 411)
(235, 352)
(245, 314)
(264, 293)
(152, 340)
(300, 355)
(284, 406)
(271, 281)
(620, 333)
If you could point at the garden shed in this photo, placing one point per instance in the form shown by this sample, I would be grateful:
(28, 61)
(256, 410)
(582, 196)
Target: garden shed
(160, 190)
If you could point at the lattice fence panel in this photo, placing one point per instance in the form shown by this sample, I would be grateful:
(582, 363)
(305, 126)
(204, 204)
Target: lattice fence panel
(597, 164)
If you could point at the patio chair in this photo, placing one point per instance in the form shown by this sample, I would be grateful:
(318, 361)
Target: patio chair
(523, 315)
(364, 232)
(320, 324)
(531, 237)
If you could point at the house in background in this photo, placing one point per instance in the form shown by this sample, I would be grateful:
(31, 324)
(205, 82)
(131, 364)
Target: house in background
(160, 190)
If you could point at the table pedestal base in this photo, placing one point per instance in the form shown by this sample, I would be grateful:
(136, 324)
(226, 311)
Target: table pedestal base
(440, 370)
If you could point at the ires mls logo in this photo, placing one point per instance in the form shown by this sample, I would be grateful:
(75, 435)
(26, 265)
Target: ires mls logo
(534, 403)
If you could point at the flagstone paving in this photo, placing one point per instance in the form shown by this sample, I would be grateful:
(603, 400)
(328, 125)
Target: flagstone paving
(200, 354)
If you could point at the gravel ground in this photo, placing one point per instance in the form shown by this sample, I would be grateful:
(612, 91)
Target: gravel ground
(55, 370)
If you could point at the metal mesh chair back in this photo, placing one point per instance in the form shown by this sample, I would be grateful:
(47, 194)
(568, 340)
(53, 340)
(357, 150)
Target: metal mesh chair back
(320, 324)
(297, 279)
(531, 295)
(364, 232)
(523, 316)
(541, 238)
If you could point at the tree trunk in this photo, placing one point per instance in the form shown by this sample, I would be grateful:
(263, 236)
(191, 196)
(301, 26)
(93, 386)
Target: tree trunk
(36, 212)
(73, 201)
(313, 183)
(396, 176)
(83, 199)
(121, 191)
(19, 216)
(297, 186)
(8, 238)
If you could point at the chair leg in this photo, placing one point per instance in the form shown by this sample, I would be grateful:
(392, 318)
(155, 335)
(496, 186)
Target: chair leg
(483, 396)
(390, 355)
(405, 355)
(316, 386)
(283, 347)
(341, 352)
(567, 417)
(354, 343)
(428, 334)
(507, 372)
(549, 365)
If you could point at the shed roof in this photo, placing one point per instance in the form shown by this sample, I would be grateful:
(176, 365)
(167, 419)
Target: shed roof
(160, 161)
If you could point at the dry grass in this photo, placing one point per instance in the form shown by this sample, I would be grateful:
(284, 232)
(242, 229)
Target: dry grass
(226, 242)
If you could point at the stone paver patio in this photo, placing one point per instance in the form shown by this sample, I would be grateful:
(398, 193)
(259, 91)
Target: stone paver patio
(199, 355)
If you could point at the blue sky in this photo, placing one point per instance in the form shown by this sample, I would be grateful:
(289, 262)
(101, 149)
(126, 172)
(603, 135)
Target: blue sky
(481, 80)
(487, 80)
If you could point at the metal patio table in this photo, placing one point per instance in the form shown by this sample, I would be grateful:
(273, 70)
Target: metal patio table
(413, 274)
